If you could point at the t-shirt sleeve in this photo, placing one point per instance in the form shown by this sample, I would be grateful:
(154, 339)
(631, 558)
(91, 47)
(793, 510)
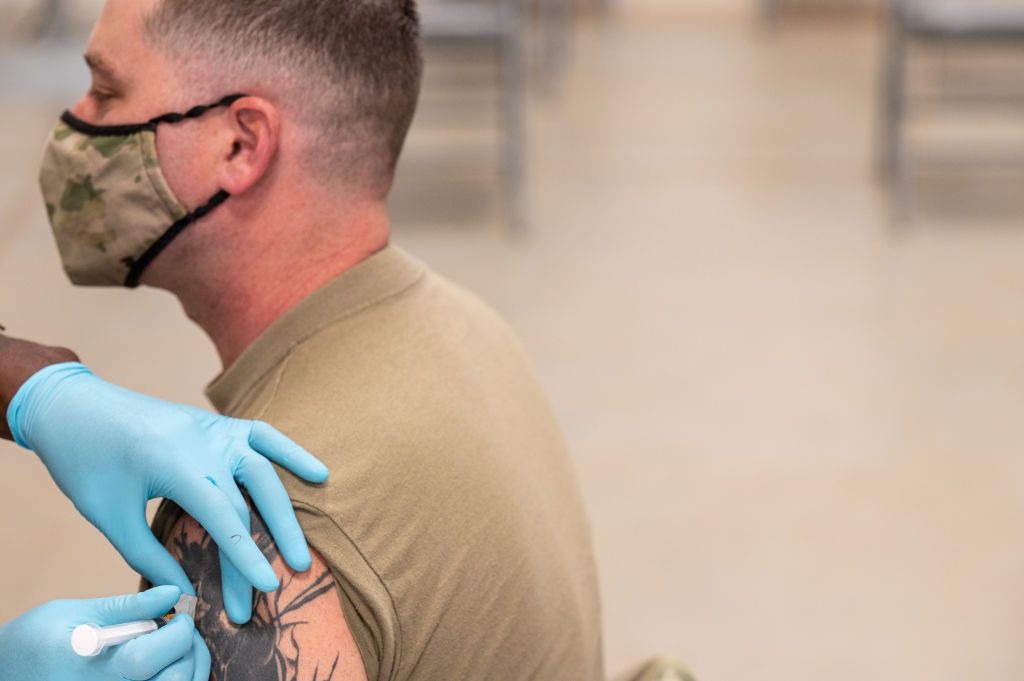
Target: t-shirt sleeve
(367, 604)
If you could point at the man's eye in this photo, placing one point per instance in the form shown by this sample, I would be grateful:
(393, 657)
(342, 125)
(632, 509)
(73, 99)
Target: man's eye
(100, 96)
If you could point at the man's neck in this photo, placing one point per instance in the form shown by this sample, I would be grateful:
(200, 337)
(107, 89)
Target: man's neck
(235, 308)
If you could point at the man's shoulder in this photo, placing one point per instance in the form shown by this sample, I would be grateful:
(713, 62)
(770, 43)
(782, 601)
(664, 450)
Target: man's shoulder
(436, 318)
(427, 407)
(430, 364)
(449, 474)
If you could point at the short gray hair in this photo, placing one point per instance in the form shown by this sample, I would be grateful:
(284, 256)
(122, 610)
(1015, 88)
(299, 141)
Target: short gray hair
(352, 67)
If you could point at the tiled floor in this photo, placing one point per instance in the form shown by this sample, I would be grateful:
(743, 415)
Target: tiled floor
(797, 429)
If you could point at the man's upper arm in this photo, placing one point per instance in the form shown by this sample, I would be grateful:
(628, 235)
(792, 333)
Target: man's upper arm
(298, 633)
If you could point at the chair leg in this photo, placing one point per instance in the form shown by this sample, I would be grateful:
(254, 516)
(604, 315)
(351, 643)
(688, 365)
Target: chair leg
(513, 66)
(893, 157)
(770, 9)
(600, 8)
(51, 18)
(556, 29)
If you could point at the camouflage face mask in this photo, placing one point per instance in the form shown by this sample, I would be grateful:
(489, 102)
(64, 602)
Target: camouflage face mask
(110, 207)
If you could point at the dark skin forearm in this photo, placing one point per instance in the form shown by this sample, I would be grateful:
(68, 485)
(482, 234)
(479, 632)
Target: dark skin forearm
(19, 360)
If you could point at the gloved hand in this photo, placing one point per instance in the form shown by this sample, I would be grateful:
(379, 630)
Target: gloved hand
(111, 450)
(37, 646)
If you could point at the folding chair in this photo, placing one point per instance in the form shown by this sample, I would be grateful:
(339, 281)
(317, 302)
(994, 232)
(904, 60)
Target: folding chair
(501, 23)
(931, 22)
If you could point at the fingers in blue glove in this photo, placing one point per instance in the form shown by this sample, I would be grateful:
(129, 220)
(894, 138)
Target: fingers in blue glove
(212, 509)
(201, 655)
(147, 605)
(279, 448)
(182, 670)
(260, 479)
(236, 589)
(147, 556)
(143, 658)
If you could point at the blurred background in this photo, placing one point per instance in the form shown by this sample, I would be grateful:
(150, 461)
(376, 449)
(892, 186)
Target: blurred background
(768, 258)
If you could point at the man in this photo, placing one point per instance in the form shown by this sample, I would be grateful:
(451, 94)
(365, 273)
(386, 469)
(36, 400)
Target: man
(239, 154)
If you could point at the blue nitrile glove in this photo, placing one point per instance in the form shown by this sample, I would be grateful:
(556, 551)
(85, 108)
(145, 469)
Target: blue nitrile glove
(110, 450)
(37, 645)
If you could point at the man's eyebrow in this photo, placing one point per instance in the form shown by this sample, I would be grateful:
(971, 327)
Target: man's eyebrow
(101, 67)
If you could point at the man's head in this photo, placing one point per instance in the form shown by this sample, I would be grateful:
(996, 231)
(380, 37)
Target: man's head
(343, 73)
(346, 71)
(307, 156)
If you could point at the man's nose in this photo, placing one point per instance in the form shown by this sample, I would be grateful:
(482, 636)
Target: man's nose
(86, 110)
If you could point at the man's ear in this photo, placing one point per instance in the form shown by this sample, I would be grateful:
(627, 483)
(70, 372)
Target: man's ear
(255, 128)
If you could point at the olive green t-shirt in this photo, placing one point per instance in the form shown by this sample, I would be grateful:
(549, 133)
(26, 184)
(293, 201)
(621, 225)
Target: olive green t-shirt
(452, 521)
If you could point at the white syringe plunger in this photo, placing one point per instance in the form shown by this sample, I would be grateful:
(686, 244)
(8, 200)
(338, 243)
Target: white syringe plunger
(90, 640)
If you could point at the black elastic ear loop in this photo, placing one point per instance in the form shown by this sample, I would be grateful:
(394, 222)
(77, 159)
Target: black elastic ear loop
(137, 267)
(194, 112)
(78, 125)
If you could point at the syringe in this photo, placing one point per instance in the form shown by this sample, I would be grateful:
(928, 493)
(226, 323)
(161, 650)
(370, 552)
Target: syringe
(90, 640)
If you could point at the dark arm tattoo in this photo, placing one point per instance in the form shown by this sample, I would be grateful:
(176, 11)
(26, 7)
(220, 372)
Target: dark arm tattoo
(274, 645)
